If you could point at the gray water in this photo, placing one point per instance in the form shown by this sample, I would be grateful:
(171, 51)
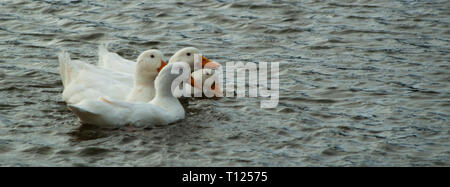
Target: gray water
(362, 83)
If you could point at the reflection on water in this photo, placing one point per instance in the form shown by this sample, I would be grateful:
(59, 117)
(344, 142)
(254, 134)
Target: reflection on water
(362, 83)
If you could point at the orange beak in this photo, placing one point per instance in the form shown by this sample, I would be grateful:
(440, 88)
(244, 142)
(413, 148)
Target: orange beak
(217, 92)
(208, 64)
(193, 84)
(162, 65)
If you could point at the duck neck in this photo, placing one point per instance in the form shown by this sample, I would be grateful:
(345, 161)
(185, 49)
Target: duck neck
(170, 104)
(165, 99)
(143, 80)
(143, 88)
(164, 93)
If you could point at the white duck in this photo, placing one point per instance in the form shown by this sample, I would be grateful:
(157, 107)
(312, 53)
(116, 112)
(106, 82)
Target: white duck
(198, 77)
(187, 55)
(199, 83)
(149, 64)
(84, 81)
(163, 109)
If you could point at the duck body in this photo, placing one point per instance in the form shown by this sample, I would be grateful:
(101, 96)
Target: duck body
(83, 81)
(110, 112)
(114, 62)
(162, 110)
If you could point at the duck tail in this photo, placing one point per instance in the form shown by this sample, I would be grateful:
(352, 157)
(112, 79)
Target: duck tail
(64, 67)
(84, 115)
(102, 52)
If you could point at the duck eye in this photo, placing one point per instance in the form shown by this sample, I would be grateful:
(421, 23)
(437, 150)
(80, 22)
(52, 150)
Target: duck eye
(153, 56)
(188, 54)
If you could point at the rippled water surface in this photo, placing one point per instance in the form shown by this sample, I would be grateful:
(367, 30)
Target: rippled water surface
(362, 83)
